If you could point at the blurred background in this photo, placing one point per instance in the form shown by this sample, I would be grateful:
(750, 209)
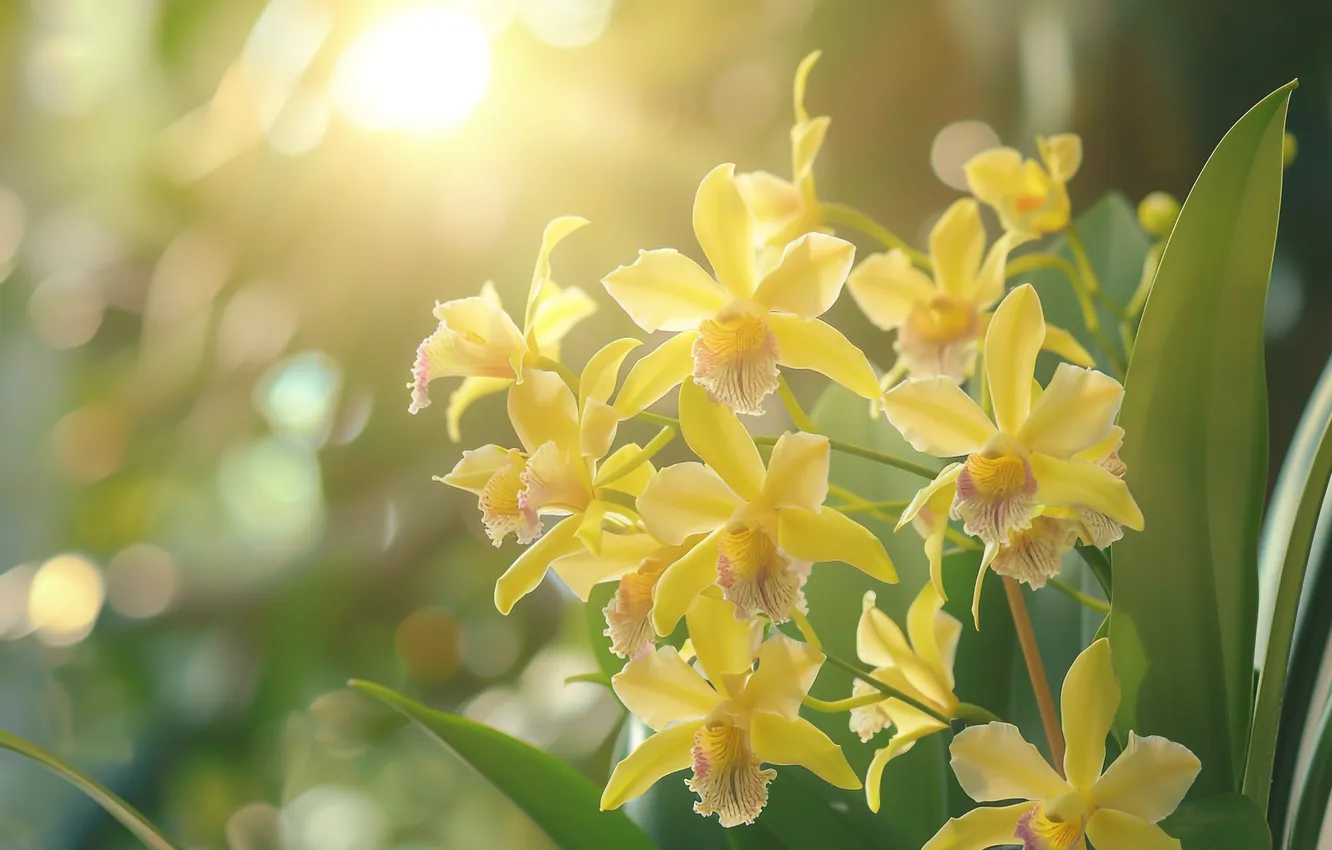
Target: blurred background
(223, 224)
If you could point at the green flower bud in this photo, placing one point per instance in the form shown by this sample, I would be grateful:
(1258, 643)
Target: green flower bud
(1157, 213)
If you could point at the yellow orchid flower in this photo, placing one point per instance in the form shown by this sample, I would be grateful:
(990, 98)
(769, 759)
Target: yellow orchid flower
(921, 669)
(477, 341)
(1028, 198)
(1117, 809)
(726, 720)
(940, 321)
(1029, 455)
(733, 332)
(764, 528)
(783, 209)
(557, 472)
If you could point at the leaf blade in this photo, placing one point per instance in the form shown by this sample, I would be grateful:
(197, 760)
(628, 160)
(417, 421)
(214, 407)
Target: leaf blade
(557, 798)
(1196, 449)
(104, 797)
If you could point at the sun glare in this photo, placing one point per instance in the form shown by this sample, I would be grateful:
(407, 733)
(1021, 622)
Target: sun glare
(421, 69)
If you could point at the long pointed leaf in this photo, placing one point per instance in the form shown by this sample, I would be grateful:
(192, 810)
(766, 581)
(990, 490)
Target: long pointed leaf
(1272, 682)
(557, 798)
(1195, 413)
(116, 807)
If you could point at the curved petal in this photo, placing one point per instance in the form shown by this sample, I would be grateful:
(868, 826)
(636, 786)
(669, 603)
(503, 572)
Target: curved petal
(822, 348)
(661, 688)
(656, 373)
(1076, 411)
(1102, 450)
(1112, 830)
(1014, 338)
(724, 228)
(717, 437)
(634, 482)
(879, 641)
(806, 141)
(786, 671)
(777, 740)
(685, 499)
(994, 174)
(809, 276)
(553, 235)
(663, 753)
(522, 577)
(1062, 155)
(1080, 482)
(682, 582)
(945, 480)
(937, 417)
(989, 285)
(802, 82)
(602, 371)
(957, 243)
(798, 471)
(620, 554)
(979, 829)
(833, 536)
(559, 309)
(911, 725)
(663, 290)
(994, 762)
(1148, 780)
(476, 467)
(887, 288)
(934, 633)
(467, 392)
(773, 201)
(1088, 703)
(542, 409)
(1062, 343)
(592, 528)
(987, 558)
(725, 645)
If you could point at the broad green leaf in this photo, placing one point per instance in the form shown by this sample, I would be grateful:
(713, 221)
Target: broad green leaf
(116, 807)
(1272, 679)
(1195, 413)
(557, 798)
(1221, 822)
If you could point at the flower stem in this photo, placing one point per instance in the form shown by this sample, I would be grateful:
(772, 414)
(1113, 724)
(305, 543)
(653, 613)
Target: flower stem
(887, 689)
(1078, 596)
(1084, 284)
(973, 715)
(659, 442)
(1036, 671)
(549, 364)
(792, 404)
(842, 704)
(657, 419)
(1100, 567)
(806, 628)
(857, 220)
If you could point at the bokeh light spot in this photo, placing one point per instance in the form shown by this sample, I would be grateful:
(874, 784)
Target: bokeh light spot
(566, 23)
(65, 598)
(65, 311)
(141, 581)
(298, 396)
(490, 646)
(957, 143)
(330, 817)
(422, 69)
(272, 494)
(427, 641)
(90, 442)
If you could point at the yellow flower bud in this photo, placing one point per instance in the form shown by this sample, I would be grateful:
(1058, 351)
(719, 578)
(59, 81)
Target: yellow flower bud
(1157, 213)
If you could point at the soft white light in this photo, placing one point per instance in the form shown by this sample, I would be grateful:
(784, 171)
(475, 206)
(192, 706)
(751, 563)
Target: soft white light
(421, 69)
(64, 599)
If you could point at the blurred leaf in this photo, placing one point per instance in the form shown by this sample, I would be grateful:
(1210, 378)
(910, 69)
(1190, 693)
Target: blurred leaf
(116, 807)
(597, 600)
(1221, 822)
(1315, 788)
(1195, 413)
(553, 794)
(589, 679)
(1293, 565)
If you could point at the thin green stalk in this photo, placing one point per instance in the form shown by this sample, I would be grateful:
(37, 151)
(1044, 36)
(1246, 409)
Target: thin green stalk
(792, 404)
(1084, 289)
(972, 714)
(549, 364)
(1078, 596)
(857, 220)
(887, 689)
(658, 420)
(847, 704)
(657, 443)
(806, 628)
(1092, 282)
(852, 507)
(1099, 564)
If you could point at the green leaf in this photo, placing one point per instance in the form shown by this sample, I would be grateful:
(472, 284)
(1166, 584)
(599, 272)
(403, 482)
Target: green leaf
(1272, 679)
(557, 798)
(1195, 413)
(116, 807)
(1221, 822)
(593, 612)
(1315, 789)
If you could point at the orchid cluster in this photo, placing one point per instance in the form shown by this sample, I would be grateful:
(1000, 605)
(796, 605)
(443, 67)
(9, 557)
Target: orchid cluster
(726, 543)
